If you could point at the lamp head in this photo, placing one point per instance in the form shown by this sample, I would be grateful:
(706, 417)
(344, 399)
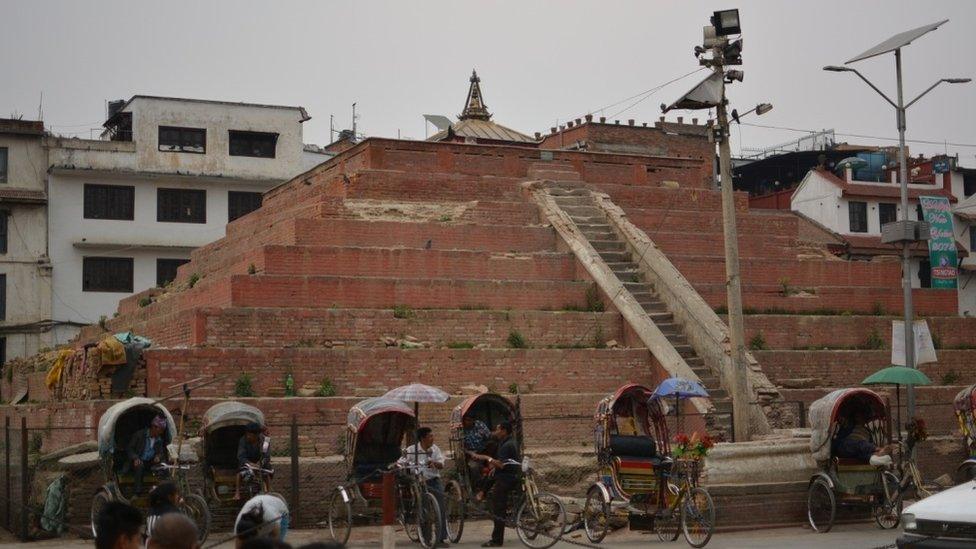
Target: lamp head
(836, 68)
(957, 80)
(763, 108)
(726, 22)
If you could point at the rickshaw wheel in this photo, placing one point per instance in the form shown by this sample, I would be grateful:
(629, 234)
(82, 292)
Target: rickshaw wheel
(698, 517)
(99, 501)
(454, 499)
(596, 515)
(667, 526)
(821, 506)
(540, 524)
(428, 521)
(409, 502)
(195, 507)
(887, 513)
(340, 518)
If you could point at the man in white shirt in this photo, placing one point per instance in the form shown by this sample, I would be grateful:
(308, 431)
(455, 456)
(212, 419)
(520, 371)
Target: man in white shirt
(429, 458)
(263, 515)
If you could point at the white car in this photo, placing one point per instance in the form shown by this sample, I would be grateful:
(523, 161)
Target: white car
(943, 521)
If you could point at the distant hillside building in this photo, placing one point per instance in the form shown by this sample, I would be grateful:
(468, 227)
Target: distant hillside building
(474, 124)
(166, 177)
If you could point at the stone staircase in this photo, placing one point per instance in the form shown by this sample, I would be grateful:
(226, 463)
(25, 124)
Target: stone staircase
(592, 222)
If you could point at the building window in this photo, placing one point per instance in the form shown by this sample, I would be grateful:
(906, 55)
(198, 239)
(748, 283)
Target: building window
(240, 204)
(260, 144)
(858, 212)
(106, 274)
(191, 140)
(181, 205)
(3, 164)
(4, 218)
(887, 213)
(110, 202)
(969, 183)
(924, 274)
(3, 297)
(166, 270)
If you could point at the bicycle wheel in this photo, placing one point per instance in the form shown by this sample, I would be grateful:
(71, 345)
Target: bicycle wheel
(428, 520)
(666, 521)
(340, 518)
(887, 512)
(540, 521)
(596, 515)
(454, 500)
(99, 501)
(195, 507)
(698, 517)
(407, 512)
(821, 506)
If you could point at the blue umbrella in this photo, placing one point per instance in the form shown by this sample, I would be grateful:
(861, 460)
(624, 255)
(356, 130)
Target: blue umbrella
(679, 389)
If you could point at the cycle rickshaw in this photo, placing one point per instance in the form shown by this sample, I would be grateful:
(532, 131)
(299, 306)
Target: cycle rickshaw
(490, 409)
(849, 482)
(116, 426)
(223, 427)
(965, 404)
(375, 432)
(636, 469)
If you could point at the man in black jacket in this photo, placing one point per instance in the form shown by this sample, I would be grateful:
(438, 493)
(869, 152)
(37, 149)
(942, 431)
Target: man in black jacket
(506, 480)
(146, 447)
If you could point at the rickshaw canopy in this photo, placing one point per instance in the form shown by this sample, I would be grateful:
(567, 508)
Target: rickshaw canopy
(469, 403)
(965, 401)
(362, 411)
(824, 413)
(227, 414)
(106, 424)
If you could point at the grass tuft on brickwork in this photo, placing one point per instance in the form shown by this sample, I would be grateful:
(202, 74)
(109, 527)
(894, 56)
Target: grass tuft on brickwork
(594, 303)
(194, 278)
(326, 388)
(758, 342)
(244, 386)
(402, 311)
(145, 301)
(516, 340)
(874, 340)
(251, 269)
(460, 345)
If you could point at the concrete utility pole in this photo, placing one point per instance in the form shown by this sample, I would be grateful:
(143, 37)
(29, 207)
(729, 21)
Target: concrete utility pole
(906, 246)
(733, 280)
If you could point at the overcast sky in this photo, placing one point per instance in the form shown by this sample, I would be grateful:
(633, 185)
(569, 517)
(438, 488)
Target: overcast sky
(539, 61)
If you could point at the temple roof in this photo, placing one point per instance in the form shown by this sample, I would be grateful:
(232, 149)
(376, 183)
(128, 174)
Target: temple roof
(475, 123)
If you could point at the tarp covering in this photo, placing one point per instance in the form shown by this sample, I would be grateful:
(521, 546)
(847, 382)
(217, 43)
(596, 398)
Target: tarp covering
(230, 413)
(487, 399)
(106, 424)
(965, 401)
(365, 409)
(823, 413)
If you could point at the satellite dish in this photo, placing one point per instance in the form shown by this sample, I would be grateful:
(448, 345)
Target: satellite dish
(439, 121)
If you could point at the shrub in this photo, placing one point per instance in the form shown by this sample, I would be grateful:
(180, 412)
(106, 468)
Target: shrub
(445, 218)
(951, 377)
(194, 278)
(599, 341)
(874, 340)
(513, 388)
(101, 322)
(516, 341)
(758, 342)
(593, 301)
(243, 386)
(145, 301)
(785, 289)
(460, 345)
(878, 309)
(251, 269)
(326, 388)
(402, 311)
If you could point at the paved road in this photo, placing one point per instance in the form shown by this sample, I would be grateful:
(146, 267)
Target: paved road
(866, 536)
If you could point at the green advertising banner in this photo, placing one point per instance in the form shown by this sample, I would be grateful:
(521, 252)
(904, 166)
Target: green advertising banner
(942, 243)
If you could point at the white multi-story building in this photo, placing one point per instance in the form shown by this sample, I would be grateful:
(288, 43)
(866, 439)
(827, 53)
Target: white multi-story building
(25, 272)
(166, 177)
(856, 210)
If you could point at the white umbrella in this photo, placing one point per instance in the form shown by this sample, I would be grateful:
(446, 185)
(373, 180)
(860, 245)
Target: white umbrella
(417, 393)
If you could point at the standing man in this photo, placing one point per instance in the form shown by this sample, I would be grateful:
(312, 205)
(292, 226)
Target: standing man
(118, 526)
(431, 460)
(506, 480)
(147, 447)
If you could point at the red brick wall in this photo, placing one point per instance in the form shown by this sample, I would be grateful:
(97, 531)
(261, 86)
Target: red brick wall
(798, 274)
(847, 368)
(801, 332)
(835, 299)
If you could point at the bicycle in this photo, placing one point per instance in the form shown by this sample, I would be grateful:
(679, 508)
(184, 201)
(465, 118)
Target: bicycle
(897, 481)
(690, 506)
(417, 511)
(535, 514)
(192, 504)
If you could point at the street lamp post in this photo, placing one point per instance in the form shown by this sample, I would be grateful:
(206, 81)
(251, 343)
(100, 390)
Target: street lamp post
(906, 232)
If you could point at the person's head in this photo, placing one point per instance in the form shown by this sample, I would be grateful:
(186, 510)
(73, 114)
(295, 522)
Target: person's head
(467, 422)
(158, 426)
(163, 493)
(425, 436)
(503, 430)
(174, 531)
(252, 432)
(251, 527)
(119, 526)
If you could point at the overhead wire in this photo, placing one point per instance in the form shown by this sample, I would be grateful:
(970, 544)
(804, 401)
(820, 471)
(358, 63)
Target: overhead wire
(646, 92)
(861, 136)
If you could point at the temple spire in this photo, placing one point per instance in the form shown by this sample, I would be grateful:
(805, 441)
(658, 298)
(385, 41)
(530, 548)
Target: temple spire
(475, 106)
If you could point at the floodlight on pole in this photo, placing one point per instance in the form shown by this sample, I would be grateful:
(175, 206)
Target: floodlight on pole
(726, 22)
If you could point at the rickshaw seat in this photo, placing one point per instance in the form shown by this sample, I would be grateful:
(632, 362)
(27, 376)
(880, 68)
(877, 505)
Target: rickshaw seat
(633, 446)
(636, 465)
(851, 462)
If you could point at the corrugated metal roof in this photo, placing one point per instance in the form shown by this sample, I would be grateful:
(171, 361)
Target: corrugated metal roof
(482, 129)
